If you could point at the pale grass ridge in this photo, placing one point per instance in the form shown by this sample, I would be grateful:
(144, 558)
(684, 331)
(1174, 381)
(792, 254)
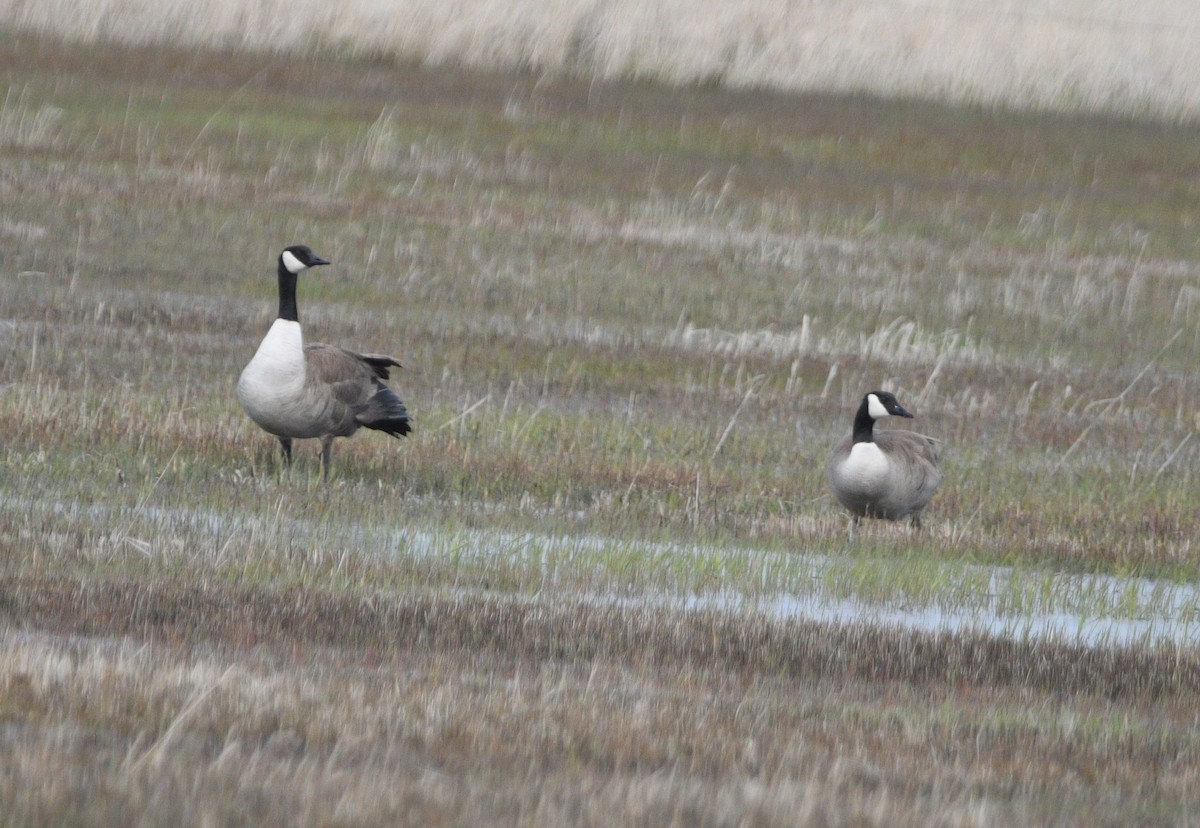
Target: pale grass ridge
(1134, 58)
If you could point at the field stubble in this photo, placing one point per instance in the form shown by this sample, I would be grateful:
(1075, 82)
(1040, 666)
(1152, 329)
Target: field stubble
(626, 312)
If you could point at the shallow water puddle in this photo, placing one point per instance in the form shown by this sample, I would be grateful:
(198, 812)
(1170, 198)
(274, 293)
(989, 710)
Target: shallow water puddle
(924, 595)
(1094, 610)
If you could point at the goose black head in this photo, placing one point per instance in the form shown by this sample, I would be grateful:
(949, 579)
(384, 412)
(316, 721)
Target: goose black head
(299, 257)
(884, 404)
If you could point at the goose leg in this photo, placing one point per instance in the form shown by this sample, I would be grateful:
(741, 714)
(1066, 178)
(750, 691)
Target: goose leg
(326, 454)
(916, 521)
(285, 444)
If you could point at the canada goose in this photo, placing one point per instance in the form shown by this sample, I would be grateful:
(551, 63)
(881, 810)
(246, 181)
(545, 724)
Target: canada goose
(889, 475)
(296, 391)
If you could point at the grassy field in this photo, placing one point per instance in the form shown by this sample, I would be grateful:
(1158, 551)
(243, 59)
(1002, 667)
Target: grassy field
(633, 320)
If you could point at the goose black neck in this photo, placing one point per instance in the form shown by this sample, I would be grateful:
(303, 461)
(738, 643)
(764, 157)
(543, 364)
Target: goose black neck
(864, 424)
(287, 295)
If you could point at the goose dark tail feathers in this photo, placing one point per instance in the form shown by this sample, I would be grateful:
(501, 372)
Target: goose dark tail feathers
(385, 411)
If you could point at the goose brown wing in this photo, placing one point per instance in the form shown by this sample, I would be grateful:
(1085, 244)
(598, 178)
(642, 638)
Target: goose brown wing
(916, 460)
(356, 382)
(333, 363)
(350, 380)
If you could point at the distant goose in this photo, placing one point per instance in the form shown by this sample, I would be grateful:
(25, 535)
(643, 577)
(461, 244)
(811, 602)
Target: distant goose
(889, 475)
(297, 391)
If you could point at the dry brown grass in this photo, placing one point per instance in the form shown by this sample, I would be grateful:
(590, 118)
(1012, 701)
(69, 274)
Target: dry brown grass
(305, 707)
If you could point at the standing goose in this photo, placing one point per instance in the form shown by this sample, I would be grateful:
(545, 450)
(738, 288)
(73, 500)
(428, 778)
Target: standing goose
(889, 475)
(297, 391)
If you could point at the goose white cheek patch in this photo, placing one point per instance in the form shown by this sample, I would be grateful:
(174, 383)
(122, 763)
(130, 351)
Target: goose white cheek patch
(875, 407)
(293, 264)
